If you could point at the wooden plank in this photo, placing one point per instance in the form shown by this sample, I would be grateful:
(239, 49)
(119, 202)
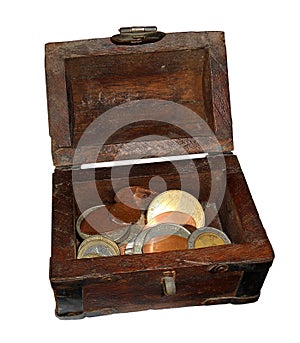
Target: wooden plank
(63, 233)
(220, 274)
(99, 269)
(79, 72)
(64, 157)
(246, 211)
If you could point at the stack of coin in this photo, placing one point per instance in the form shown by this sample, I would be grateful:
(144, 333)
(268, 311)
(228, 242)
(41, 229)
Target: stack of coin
(171, 217)
(120, 222)
(174, 221)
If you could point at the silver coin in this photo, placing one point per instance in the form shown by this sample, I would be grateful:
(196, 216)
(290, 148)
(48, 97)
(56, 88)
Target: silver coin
(133, 231)
(165, 229)
(118, 235)
(129, 248)
(139, 242)
(82, 217)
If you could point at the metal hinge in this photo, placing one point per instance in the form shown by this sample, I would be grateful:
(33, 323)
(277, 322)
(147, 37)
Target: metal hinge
(137, 35)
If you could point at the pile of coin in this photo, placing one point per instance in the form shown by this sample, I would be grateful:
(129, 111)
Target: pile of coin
(142, 221)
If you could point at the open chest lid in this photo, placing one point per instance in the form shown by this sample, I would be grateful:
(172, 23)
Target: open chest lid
(111, 101)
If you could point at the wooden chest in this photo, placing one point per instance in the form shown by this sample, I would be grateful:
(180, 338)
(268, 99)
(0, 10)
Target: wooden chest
(128, 102)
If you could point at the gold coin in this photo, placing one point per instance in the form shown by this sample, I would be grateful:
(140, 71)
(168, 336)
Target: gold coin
(207, 240)
(97, 246)
(207, 237)
(177, 200)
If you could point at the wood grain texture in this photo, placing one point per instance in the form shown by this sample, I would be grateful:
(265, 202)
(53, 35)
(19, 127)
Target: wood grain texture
(86, 78)
(136, 150)
(63, 231)
(236, 256)
(115, 284)
(139, 292)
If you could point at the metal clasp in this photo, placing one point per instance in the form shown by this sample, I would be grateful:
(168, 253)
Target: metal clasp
(137, 35)
(168, 283)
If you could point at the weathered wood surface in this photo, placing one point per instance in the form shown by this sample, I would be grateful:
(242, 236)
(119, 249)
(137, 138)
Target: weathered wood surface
(63, 230)
(87, 78)
(237, 256)
(129, 283)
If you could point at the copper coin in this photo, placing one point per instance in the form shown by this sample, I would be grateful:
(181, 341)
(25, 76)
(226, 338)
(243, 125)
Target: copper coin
(174, 217)
(165, 243)
(104, 219)
(86, 227)
(135, 197)
(122, 249)
(160, 230)
(123, 214)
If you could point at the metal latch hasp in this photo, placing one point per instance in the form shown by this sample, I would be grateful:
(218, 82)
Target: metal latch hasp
(137, 35)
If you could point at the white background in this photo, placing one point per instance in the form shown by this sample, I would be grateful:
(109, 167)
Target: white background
(262, 39)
